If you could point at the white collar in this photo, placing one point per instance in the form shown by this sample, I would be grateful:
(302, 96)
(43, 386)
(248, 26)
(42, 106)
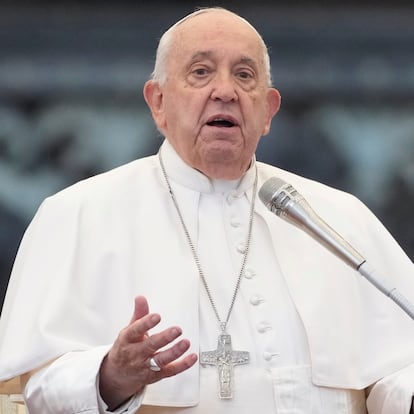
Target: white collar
(183, 174)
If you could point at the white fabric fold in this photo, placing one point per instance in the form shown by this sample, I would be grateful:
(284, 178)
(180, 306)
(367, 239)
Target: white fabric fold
(115, 235)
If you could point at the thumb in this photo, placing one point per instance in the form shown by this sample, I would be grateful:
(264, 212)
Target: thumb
(141, 308)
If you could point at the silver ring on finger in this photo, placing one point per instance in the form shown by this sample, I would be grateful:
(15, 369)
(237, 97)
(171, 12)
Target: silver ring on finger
(153, 366)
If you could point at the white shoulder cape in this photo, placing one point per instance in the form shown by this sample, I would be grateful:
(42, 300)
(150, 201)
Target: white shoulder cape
(96, 245)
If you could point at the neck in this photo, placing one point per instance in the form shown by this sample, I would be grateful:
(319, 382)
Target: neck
(181, 172)
(218, 171)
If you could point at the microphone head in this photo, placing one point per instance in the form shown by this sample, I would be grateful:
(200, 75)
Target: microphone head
(276, 194)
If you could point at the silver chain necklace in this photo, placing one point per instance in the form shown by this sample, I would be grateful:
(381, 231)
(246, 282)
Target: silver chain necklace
(224, 358)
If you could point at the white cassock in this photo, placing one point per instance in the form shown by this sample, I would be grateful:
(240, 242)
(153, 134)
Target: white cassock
(318, 334)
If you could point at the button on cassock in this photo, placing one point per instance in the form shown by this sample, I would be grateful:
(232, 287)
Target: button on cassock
(262, 327)
(268, 356)
(256, 300)
(241, 248)
(249, 273)
(235, 222)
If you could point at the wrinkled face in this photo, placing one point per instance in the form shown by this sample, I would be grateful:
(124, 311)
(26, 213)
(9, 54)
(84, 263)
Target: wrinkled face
(215, 103)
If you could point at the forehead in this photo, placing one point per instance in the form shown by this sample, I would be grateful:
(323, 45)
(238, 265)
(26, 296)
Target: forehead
(214, 32)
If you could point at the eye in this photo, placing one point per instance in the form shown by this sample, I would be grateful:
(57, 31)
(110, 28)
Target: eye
(199, 75)
(245, 74)
(200, 72)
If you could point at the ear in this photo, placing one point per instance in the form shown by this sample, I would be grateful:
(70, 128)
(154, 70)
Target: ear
(154, 98)
(273, 105)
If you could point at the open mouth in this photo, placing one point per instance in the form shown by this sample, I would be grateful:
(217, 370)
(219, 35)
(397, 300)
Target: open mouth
(221, 123)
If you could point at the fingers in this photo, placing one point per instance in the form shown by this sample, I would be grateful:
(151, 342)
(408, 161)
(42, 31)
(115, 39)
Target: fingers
(137, 330)
(169, 362)
(157, 341)
(135, 341)
(146, 347)
(169, 355)
(128, 362)
(174, 367)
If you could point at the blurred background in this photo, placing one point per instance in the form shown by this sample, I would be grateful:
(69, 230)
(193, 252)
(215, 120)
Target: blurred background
(71, 106)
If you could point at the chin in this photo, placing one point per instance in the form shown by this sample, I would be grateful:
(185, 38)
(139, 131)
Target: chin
(222, 151)
(222, 160)
(223, 167)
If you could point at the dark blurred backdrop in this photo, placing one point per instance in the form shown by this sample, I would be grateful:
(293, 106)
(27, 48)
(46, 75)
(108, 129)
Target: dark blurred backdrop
(71, 106)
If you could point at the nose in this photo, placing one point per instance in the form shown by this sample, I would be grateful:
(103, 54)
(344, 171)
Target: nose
(224, 88)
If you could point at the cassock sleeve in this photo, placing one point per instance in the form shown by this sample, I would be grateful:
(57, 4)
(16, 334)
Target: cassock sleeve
(70, 385)
(393, 393)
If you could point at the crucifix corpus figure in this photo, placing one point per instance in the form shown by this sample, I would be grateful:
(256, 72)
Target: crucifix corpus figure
(224, 358)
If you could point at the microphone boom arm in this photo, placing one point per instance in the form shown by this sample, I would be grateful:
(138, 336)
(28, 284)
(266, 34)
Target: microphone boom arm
(283, 200)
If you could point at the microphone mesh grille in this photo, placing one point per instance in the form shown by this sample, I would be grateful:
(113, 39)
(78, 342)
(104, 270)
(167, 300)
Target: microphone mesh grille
(269, 189)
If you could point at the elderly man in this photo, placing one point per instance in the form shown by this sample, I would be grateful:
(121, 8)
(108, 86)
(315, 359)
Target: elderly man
(271, 322)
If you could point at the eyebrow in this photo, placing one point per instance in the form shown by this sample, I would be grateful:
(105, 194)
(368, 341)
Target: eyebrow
(207, 54)
(201, 55)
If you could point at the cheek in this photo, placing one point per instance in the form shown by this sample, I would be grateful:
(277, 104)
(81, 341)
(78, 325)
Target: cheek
(259, 116)
(172, 112)
(179, 120)
(266, 115)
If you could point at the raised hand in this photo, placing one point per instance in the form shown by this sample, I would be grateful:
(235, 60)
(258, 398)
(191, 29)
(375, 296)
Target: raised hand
(126, 369)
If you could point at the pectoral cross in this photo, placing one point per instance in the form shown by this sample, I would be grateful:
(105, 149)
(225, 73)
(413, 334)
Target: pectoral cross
(224, 358)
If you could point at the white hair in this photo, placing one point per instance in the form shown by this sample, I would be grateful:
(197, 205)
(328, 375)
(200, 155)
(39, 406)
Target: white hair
(159, 73)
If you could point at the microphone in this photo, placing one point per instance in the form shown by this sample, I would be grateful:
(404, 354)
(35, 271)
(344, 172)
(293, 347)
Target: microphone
(282, 199)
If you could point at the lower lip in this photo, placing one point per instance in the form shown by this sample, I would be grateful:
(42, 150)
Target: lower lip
(222, 132)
